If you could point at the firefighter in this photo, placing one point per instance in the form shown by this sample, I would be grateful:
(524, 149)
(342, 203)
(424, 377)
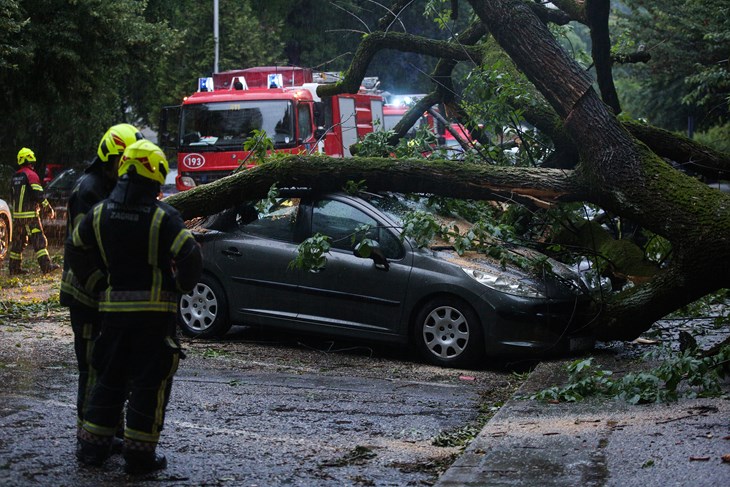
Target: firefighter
(28, 200)
(94, 186)
(137, 254)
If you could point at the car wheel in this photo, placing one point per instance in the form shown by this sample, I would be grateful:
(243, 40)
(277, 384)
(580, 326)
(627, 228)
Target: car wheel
(448, 333)
(203, 312)
(4, 238)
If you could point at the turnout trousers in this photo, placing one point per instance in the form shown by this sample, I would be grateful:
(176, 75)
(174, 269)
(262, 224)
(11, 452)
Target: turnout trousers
(86, 325)
(135, 359)
(28, 230)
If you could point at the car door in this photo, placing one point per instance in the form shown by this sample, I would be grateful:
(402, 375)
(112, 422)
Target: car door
(352, 294)
(254, 257)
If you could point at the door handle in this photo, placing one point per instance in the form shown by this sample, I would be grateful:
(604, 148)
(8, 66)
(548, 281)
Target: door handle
(232, 252)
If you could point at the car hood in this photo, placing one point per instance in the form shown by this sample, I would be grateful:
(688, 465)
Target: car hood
(524, 264)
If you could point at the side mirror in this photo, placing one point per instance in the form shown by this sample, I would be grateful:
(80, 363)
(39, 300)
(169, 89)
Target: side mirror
(370, 249)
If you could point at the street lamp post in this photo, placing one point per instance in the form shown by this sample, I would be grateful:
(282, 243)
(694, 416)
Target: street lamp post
(215, 34)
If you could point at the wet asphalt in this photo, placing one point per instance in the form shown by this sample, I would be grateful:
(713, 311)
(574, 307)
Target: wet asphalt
(250, 413)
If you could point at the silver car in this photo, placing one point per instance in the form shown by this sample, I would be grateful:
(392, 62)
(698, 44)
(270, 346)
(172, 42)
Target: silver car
(6, 229)
(454, 309)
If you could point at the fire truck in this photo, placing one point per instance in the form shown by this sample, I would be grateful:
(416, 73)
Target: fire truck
(396, 107)
(214, 123)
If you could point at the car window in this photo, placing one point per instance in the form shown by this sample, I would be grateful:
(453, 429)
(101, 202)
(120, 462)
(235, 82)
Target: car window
(64, 181)
(276, 222)
(341, 222)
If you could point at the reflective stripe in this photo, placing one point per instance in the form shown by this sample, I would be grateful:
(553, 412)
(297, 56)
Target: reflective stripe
(148, 296)
(78, 295)
(46, 203)
(71, 286)
(37, 187)
(97, 232)
(24, 214)
(21, 199)
(153, 247)
(160, 411)
(154, 240)
(99, 430)
(78, 219)
(132, 306)
(93, 279)
(180, 240)
(15, 256)
(141, 435)
(42, 253)
(35, 230)
(76, 238)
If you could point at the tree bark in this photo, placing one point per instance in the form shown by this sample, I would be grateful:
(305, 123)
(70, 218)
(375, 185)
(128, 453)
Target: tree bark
(597, 14)
(447, 178)
(624, 177)
(684, 151)
(374, 42)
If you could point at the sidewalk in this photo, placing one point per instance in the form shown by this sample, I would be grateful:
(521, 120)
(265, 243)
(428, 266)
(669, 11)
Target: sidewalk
(599, 442)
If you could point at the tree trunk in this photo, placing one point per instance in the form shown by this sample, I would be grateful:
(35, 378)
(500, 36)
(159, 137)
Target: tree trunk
(446, 178)
(623, 176)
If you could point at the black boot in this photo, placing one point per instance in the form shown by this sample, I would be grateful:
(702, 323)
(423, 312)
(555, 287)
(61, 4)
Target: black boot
(91, 454)
(14, 268)
(117, 445)
(141, 462)
(46, 265)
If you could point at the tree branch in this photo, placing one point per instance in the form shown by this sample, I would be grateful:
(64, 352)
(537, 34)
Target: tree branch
(447, 178)
(686, 152)
(632, 58)
(412, 115)
(549, 15)
(575, 9)
(372, 43)
(597, 15)
(393, 13)
(444, 91)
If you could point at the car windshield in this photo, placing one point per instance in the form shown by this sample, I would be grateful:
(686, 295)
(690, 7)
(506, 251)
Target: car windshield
(395, 206)
(230, 124)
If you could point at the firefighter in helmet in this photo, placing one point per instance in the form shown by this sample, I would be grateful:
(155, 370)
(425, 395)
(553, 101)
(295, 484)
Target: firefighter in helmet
(28, 201)
(95, 185)
(135, 252)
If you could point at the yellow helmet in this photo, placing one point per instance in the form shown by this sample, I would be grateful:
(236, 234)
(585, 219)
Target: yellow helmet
(116, 139)
(25, 155)
(147, 159)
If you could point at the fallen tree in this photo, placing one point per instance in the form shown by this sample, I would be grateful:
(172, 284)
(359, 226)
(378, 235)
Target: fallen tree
(615, 167)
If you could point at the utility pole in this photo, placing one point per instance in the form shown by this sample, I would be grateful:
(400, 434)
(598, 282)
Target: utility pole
(215, 35)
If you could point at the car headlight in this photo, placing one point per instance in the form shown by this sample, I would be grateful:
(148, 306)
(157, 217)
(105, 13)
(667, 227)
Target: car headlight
(595, 282)
(504, 283)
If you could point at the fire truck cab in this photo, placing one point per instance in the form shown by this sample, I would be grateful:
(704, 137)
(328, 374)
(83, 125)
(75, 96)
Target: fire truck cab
(214, 123)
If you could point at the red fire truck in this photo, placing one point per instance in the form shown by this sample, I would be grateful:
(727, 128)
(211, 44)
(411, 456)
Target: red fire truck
(214, 123)
(398, 105)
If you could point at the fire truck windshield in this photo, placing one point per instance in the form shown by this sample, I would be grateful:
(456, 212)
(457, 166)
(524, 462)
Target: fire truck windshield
(227, 125)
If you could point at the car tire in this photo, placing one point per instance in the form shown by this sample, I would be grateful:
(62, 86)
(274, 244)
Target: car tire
(448, 333)
(203, 312)
(4, 237)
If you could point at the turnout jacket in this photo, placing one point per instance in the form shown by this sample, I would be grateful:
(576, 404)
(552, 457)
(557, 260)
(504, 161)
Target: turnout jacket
(88, 191)
(125, 248)
(26, 193)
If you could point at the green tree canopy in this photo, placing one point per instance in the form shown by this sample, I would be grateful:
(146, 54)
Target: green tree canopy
(74, 62)
(689, 71)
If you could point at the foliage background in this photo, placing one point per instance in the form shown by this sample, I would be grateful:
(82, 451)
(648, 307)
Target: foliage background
(71, 68)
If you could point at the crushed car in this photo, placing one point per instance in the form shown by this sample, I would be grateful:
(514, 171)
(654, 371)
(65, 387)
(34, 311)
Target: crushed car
(456, 310)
